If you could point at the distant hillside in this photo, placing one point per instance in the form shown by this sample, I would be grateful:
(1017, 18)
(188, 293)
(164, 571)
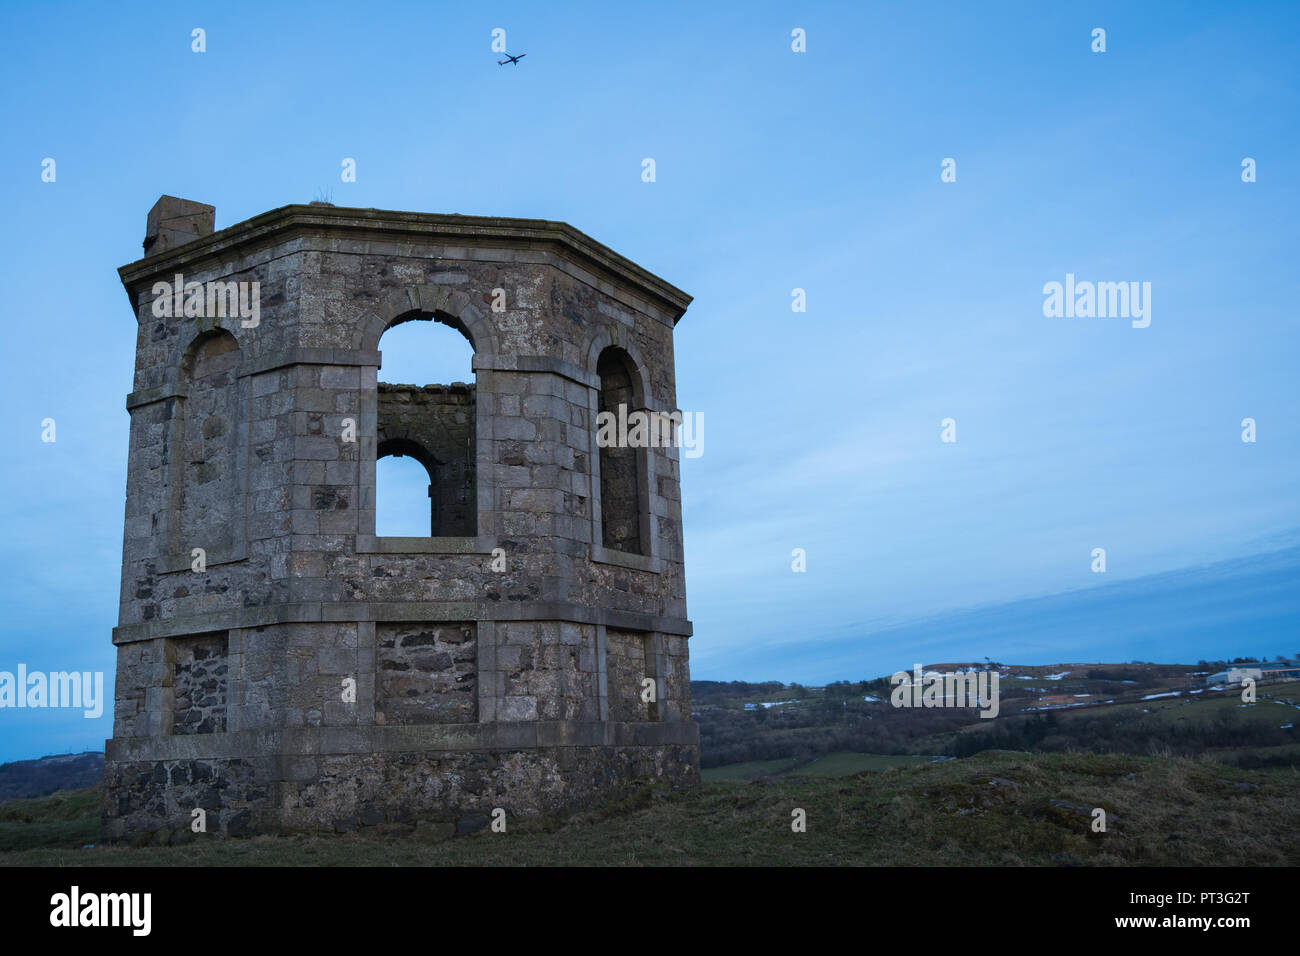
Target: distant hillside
(39, 778)
(767, 728)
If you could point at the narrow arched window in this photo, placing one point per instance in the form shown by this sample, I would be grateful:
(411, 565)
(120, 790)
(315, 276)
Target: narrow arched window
(620, 461)
(205, 463)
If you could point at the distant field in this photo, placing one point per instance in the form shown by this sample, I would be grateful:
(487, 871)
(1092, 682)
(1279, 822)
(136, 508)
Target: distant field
(1190, 717)
(1276, 705)
(991, 809)
(1097, 708)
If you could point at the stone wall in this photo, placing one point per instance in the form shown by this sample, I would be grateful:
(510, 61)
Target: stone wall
(548, 669)
(626, 667)
(426, 674)
(199, 685)
(674, 668)
(154, 801)
(436, 790)
(142, 675)
(436, 787)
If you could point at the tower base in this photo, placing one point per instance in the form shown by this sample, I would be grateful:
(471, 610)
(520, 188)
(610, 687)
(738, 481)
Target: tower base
(331, 780)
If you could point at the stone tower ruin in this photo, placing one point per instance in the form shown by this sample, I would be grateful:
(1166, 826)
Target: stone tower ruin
(283, 668)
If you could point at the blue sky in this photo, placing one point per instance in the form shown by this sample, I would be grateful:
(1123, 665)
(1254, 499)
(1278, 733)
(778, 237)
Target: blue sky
(775, 170)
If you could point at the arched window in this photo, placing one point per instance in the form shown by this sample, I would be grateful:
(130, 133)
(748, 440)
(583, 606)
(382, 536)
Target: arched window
(407, 507)
(430, 424)
(620, 464)
(205, 464)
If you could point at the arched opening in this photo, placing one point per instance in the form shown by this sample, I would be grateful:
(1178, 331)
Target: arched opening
(205, 465)
(430, 425)
(419, 349)
(620, 463)
(407, 507)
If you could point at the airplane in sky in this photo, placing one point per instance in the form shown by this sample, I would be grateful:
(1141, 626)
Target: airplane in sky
(511, 59)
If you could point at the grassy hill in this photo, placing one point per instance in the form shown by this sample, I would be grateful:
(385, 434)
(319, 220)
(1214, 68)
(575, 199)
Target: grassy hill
(46, 775)
(66, 819)
(989, 809)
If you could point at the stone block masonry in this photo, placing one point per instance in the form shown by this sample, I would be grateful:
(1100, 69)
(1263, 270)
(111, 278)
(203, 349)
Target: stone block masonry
(309, 675)
(199, 685)
(426, 674)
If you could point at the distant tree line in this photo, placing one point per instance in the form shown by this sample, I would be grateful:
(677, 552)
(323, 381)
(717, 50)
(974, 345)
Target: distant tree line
(1143, 734)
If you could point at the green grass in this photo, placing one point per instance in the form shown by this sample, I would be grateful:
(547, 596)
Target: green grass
(749, 770)
(1282, 755)
(68, 818)
(995, 808)
(847, 764)
(830, 765)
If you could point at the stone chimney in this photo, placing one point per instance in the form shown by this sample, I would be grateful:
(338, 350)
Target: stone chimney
(174, 222)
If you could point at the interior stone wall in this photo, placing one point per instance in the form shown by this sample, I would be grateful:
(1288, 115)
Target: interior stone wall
(435, 425)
